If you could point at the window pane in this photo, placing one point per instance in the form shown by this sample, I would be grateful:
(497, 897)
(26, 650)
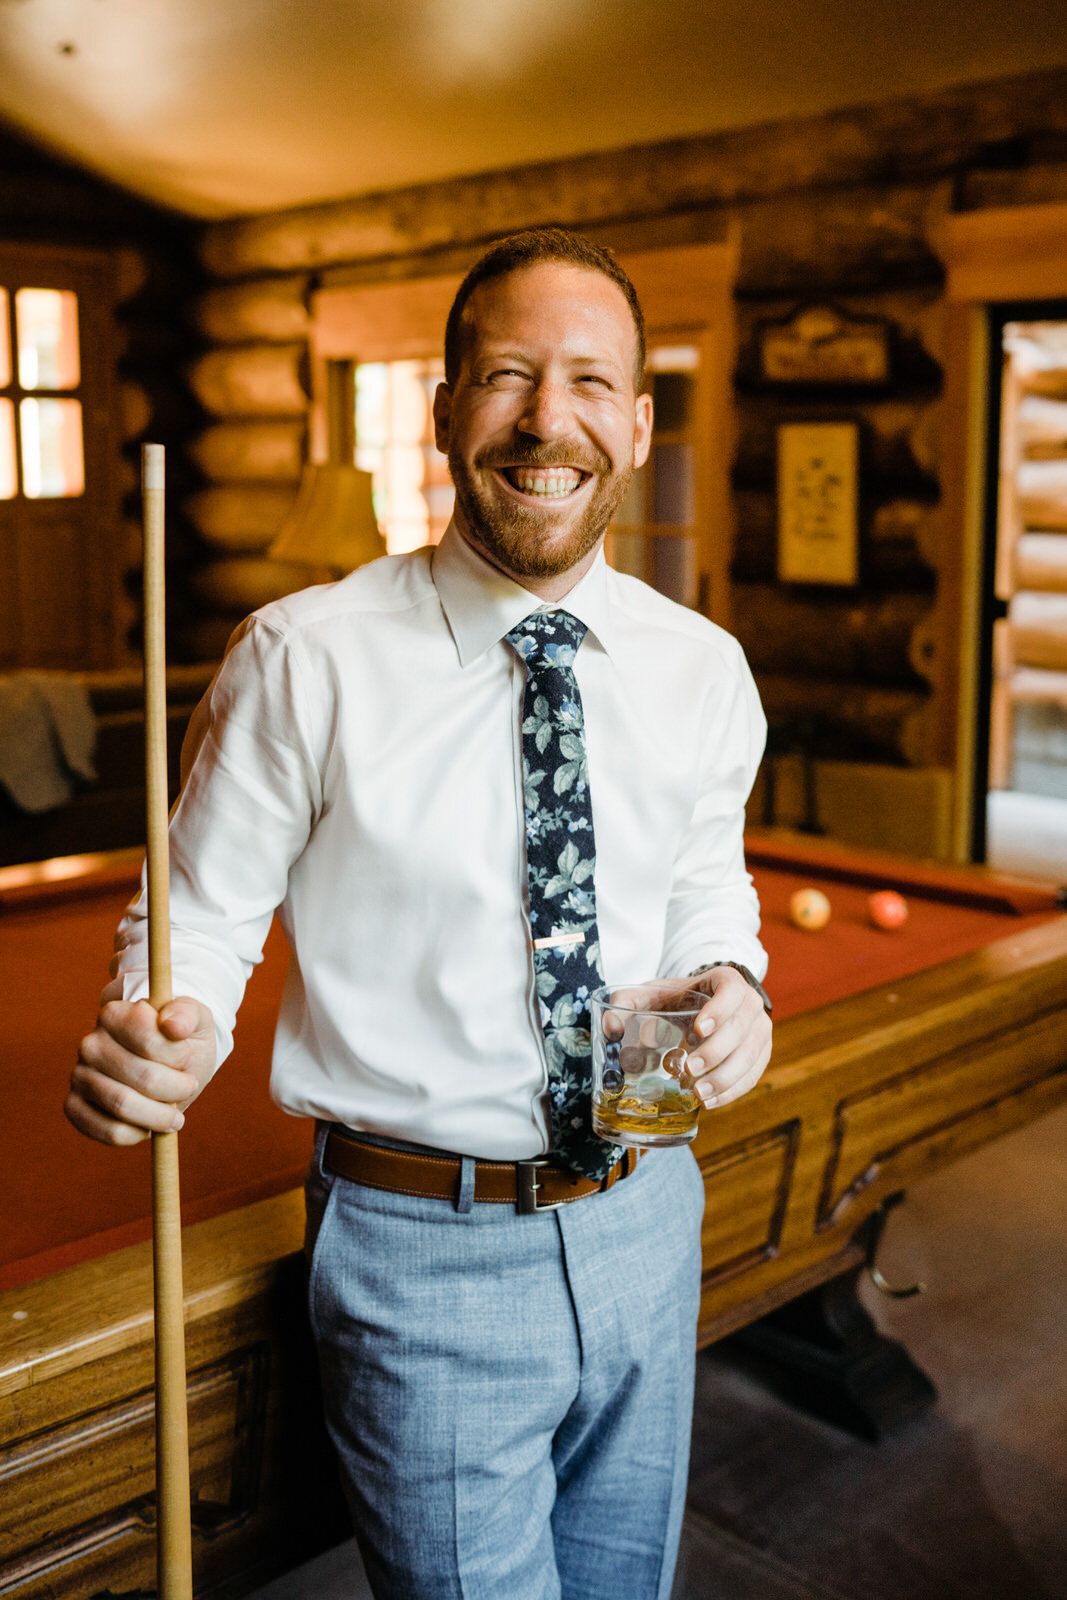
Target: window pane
(674, 568)
(8, 480)
(52, 461)
(394, 440)
(672, 399)
(5, 342)
(672, 487)
(47, 327)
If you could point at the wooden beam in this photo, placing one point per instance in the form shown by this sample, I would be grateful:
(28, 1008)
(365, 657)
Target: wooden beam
(876, 144)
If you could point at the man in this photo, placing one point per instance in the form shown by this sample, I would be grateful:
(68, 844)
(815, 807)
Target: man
(475, 782)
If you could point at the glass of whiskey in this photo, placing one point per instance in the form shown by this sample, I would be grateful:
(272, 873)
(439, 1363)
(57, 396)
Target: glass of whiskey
(643, 1093)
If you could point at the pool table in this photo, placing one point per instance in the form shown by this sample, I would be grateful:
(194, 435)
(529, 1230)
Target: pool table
(895, 1053)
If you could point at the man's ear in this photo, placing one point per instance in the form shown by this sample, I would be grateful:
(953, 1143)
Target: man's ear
(642, 429)
(442, 417)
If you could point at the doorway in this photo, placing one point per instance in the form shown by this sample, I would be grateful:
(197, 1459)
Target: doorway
(1021, 754)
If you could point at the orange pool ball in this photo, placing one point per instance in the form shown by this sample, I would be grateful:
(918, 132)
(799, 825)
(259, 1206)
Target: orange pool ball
(809, 908)
(888, 909)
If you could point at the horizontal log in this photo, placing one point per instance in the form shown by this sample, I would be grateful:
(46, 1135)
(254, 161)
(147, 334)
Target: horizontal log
(927, 134)
(131, 272)
(898, 551)
(243, 584)
(1020, 186)
(202, 638)
(840, 240)
(1042, 428)
(1047, 382)
(238, 451)
(852, 722)
(252, 380)
(899, 458)
(239, 518)
(1031, 686)
(1041, 487)
(847, 637)
(1038, 624)
(1041, 561)
(135, 409)
(274, 310)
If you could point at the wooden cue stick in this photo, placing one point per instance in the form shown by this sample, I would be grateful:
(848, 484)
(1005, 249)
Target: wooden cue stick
(174, 1570)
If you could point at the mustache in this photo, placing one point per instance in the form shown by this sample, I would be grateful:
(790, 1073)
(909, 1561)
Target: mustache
(532, 454)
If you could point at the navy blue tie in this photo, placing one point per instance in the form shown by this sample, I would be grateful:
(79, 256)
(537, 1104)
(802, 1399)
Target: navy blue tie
(560, 863)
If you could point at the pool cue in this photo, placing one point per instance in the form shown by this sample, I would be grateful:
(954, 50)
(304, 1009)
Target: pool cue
(174, 1570)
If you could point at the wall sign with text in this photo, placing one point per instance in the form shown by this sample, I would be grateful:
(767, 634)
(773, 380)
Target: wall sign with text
(822, 344)
(818, 502)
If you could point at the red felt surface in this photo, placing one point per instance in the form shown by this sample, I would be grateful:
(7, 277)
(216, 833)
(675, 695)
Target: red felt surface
(948, 915)
(67, 1199)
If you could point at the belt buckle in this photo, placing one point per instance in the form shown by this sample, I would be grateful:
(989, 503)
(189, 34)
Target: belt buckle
(527, 1187)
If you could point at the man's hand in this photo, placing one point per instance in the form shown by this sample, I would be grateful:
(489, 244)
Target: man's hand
(139, 1068)
(736, 1031)
(733, 1044)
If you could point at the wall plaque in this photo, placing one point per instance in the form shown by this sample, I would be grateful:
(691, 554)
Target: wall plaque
(818, 502)
(822, 344)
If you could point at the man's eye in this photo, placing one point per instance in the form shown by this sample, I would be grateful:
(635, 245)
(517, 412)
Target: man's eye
(595, 379)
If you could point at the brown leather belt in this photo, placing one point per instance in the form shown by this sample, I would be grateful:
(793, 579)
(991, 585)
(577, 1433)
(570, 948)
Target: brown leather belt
(537, 1185)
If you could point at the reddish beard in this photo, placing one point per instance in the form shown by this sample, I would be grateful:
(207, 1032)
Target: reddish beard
(516, 536)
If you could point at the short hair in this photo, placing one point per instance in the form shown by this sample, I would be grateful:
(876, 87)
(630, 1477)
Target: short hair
(528, 249)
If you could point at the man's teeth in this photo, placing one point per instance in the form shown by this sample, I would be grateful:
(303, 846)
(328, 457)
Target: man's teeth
(546, 481)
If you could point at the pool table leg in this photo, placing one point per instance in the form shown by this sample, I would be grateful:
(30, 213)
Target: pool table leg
(824, 1354)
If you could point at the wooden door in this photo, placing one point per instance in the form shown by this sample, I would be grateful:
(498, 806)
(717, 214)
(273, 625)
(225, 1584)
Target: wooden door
(59, 524)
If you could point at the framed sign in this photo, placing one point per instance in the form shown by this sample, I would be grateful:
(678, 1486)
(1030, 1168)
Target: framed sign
(821, 344)
(818, 502)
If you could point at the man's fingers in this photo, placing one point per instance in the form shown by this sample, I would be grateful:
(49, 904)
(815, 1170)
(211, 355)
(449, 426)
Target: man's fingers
(88, 1119)
(748, 1081)
(119, 1101)
(740, 1071)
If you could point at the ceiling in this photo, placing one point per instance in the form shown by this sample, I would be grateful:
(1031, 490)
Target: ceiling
(218, 107)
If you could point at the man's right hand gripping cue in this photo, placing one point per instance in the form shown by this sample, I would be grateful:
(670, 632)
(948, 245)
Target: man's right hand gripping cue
(139, 1069)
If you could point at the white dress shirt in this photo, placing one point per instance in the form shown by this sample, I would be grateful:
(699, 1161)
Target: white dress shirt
(356, 764)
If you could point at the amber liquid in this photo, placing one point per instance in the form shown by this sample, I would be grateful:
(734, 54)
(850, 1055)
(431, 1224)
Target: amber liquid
(626, 1118)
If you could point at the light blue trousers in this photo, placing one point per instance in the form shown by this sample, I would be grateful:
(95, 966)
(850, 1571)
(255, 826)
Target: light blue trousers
(511, 1396)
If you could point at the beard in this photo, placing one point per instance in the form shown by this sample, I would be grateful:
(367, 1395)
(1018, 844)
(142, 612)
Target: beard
(524, 541)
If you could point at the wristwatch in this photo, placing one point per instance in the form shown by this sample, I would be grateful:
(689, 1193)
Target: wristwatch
(749, 977)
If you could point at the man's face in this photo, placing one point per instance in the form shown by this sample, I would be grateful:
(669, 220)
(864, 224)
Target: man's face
(542, 427)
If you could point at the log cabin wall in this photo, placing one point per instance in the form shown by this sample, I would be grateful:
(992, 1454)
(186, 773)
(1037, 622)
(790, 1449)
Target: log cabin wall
(843, 208)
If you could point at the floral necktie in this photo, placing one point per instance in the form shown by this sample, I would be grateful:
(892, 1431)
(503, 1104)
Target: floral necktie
(560, 860)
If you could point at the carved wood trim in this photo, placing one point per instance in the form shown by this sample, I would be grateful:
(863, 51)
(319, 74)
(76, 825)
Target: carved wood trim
(878, 1141)
(769, 1158)
(235, 1387)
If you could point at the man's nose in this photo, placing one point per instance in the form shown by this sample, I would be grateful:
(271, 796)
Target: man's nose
(547, 413)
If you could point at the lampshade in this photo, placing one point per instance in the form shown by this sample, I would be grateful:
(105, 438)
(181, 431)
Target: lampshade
(332, 522)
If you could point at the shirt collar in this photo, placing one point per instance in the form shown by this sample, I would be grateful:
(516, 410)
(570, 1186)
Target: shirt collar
(481, 605)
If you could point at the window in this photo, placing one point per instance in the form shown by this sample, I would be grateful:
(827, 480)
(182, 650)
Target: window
(654, 535)
(394, 440)
(41, 450)
(61, 544)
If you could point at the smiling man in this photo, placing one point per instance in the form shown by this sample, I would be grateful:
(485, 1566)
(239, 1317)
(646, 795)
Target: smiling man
(475, 782)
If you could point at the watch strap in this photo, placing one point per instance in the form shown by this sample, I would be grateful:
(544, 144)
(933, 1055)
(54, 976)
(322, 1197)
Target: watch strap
(749, 977)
